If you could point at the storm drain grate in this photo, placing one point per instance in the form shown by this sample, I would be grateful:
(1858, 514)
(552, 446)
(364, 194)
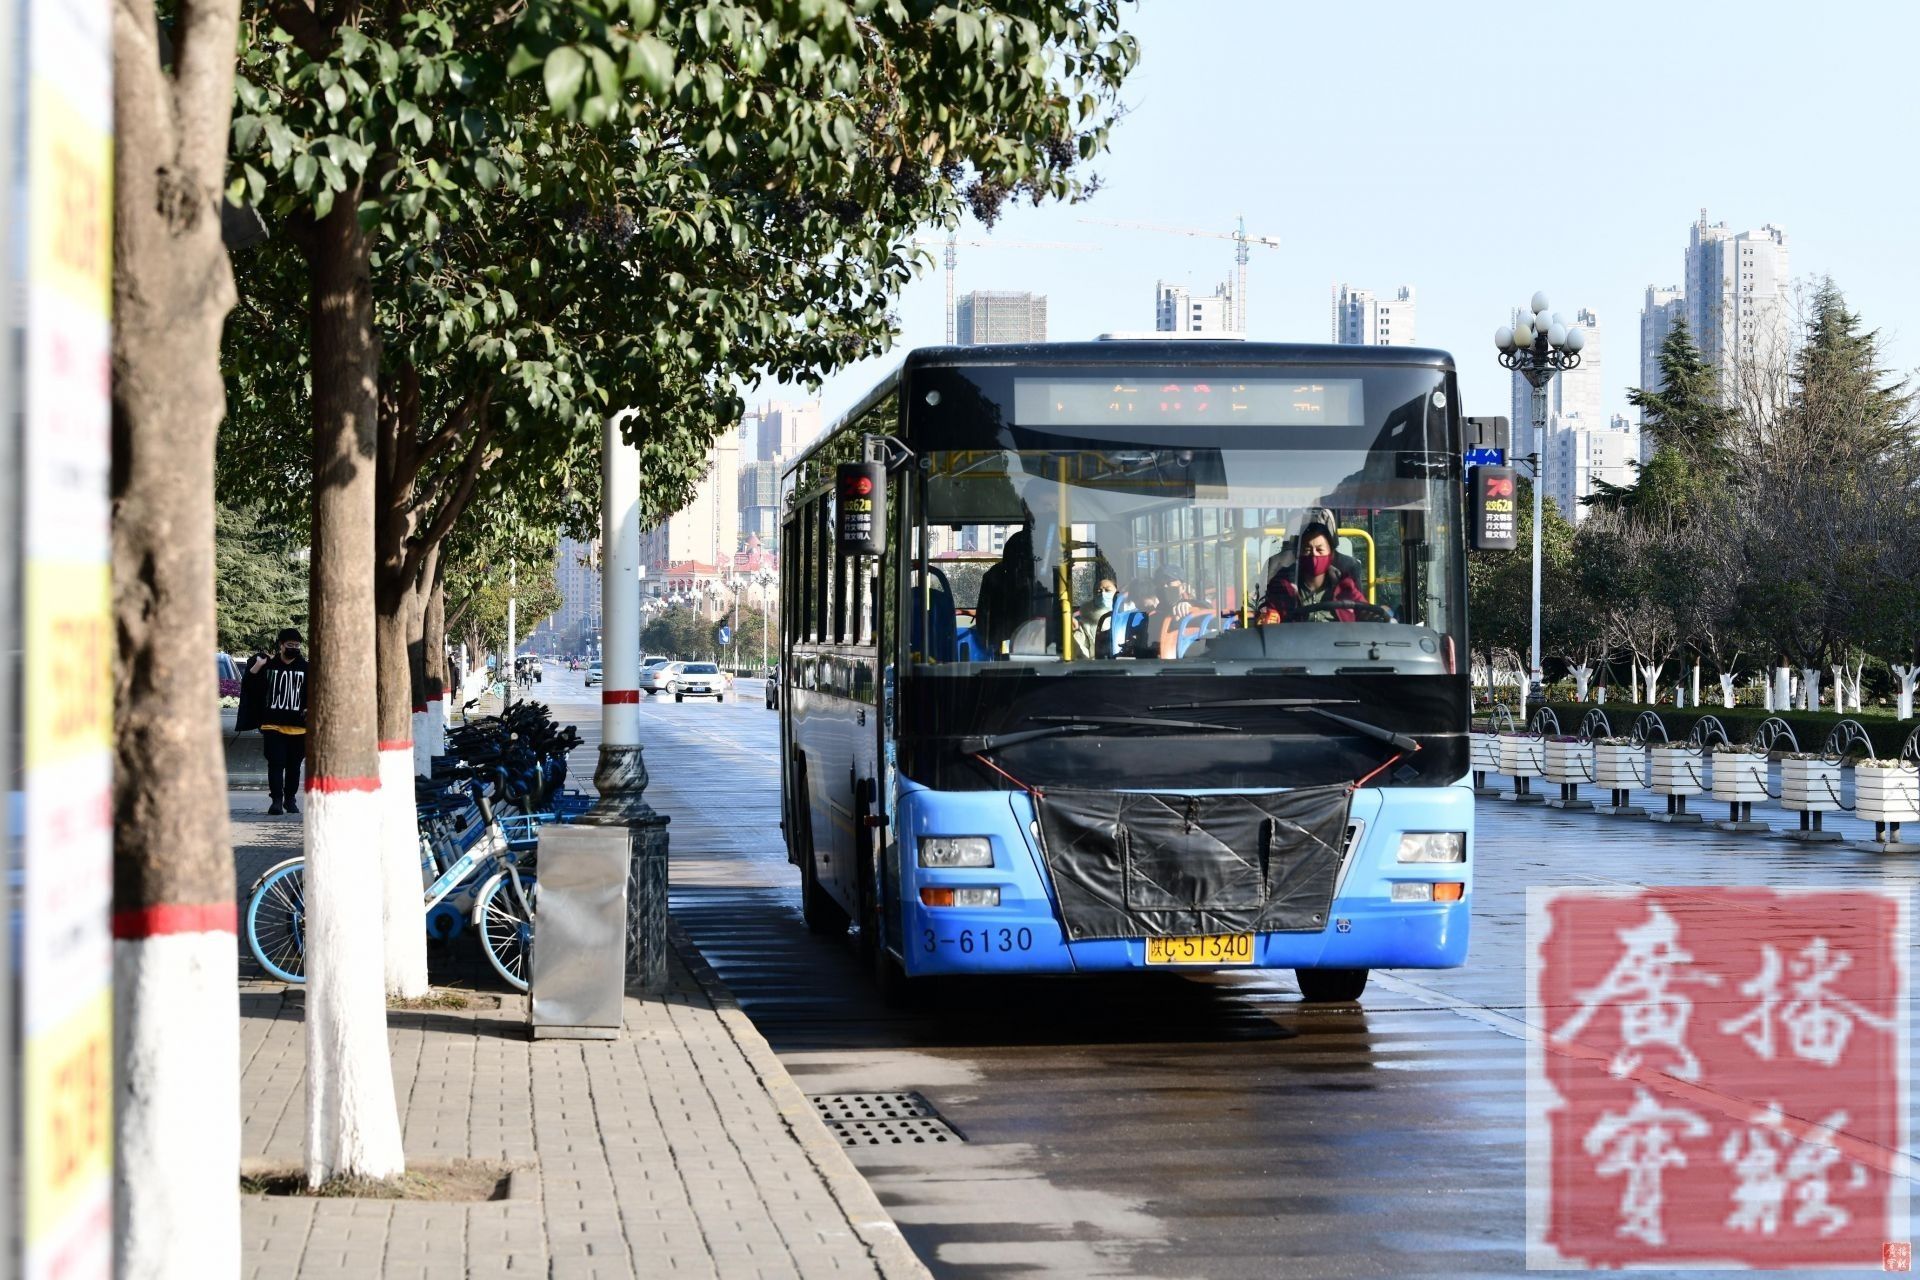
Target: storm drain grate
(883, 1119)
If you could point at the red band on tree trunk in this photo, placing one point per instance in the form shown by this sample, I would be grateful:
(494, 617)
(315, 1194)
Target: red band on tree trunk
(436, 698)
(619, 695)
(419, 708)
(343, 784)
(396, 744)
(175, 917)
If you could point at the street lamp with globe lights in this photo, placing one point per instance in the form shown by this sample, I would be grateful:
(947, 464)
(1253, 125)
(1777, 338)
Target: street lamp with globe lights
(1540, 345)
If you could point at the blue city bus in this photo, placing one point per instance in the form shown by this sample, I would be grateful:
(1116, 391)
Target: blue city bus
(1154, 657)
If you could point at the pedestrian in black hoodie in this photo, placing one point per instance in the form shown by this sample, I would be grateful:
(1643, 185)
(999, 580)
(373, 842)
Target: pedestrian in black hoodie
(275, 691)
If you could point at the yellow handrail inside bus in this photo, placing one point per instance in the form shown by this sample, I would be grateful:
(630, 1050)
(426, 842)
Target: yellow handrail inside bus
(1063, 572)
(1367, 538)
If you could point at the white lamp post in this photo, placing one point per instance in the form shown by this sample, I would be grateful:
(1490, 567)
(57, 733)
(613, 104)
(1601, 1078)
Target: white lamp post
(1537, 348)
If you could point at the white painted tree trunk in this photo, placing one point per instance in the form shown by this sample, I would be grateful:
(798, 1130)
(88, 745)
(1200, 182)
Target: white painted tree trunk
(1810, 688)
(177, 1091)
(1726, 691)
(421, 747)
(1766, 691)
(403, 917)
(1696, 684)
(1581, 675)
(1840, 688)
(1782, 689)
(1909, 681)
(1651, 671)
(353, 1125)
(1859, 678)
(1633, 682)
(1600, 696)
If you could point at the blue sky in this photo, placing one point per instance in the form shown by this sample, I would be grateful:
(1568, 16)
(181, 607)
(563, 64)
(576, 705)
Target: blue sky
(1477, 152)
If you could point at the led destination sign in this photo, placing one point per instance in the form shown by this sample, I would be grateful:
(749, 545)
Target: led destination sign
(1188, 400)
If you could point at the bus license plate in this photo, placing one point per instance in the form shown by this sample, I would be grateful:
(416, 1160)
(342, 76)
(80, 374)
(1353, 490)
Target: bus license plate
(1222, 948)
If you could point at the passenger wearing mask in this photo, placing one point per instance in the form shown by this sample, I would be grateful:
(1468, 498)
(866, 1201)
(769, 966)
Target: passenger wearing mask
(1315, 578)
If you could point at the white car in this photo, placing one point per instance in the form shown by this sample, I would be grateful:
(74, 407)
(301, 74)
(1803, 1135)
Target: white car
(654, 673)
(696, 680)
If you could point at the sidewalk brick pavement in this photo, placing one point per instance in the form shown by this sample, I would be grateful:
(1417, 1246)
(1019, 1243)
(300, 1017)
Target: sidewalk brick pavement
(681, 1149)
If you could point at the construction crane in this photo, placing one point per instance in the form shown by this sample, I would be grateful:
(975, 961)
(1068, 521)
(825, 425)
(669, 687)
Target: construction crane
(952, 245)
(1243, 244)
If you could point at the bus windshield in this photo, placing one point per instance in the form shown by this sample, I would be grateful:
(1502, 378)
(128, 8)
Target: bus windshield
(1119, 522)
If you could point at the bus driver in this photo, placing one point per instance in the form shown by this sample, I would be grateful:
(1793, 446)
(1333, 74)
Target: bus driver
(1315, 578)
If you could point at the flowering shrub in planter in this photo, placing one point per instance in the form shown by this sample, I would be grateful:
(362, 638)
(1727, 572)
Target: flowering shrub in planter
(1673, 770)
(1886, 791)
(1739, 774)
(1619, 764)
(1568, 760)
(1809, 783)
(1520, 755)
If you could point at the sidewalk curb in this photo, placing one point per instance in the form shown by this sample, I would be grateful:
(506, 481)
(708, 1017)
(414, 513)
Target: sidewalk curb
(892, 1256)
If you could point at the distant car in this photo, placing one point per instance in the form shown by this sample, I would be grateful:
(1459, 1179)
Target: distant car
(773, 687)
(654, 673)
(648, 670)
(696, 680)
(593, 673)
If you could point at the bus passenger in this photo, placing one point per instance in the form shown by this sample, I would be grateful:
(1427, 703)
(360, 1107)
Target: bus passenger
(1009, 594)
(1314, 579)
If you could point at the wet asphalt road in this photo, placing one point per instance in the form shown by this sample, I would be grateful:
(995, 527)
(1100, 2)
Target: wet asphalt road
(1169, 1126)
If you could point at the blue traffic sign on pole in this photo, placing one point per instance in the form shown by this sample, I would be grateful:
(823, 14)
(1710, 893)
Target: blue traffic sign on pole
(725, 635)
(1483, 456)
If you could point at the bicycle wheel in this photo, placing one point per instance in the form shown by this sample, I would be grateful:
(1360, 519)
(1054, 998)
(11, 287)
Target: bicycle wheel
(277, 921)
(505, 920)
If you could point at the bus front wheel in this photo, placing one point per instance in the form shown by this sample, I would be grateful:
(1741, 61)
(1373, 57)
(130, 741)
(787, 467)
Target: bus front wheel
(1331, 986)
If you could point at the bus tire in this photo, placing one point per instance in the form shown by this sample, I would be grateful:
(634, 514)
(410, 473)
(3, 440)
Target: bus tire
(1331, 986)
(822, 914)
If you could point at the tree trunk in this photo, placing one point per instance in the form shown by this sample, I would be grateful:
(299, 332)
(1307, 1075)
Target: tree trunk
(353, 1125)
(1810, 688)
(434, 662)
(404, 922)
(176, 1022)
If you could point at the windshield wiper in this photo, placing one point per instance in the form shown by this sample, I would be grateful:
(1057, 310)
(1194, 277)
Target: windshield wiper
(1306, 706)
(1055, 726)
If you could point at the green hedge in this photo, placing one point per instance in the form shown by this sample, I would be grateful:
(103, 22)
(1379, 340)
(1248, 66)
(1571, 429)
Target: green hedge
(1810, 728)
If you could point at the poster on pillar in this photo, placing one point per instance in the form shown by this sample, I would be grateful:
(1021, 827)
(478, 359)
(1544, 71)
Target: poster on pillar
(62, 406)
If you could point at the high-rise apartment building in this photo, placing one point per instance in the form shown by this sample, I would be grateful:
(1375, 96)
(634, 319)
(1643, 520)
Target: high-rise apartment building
(784, 429)
(1578, 393)
(994, 316)
(706, 532)
(576, 574)
(1737, 296)
(1361, 319)
(1664, 306)
(760, 503)
(1579, 456)
(1178, 310)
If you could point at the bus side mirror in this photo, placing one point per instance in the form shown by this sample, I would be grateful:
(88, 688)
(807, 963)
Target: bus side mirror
(1493, 508)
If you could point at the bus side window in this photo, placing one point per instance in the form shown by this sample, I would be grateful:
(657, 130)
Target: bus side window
(822, 574)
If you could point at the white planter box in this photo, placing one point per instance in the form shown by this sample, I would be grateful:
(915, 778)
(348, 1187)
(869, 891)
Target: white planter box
(1810, 786)
(1739, 779)
(1568, 761)
(1619, 766)
(1886, 795)
(1521, 756)
(1675, 773)
(1486, 752)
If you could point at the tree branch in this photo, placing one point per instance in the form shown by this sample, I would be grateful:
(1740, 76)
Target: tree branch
(452, 509)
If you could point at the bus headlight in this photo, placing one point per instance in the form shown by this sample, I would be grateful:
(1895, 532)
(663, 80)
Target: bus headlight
(956, 851)
(1433, 846)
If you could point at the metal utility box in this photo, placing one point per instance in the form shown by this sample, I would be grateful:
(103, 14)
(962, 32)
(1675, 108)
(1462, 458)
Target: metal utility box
(580, 933)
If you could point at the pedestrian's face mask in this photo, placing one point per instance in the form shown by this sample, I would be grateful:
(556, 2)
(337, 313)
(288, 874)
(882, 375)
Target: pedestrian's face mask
(290, 650)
